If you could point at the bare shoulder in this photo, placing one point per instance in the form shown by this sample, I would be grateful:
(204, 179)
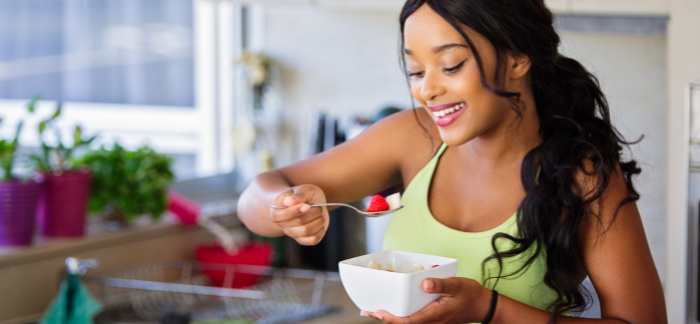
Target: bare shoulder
(614, 206)
(589, 184)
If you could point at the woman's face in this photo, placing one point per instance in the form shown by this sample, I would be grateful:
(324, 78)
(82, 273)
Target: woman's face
(445, 79)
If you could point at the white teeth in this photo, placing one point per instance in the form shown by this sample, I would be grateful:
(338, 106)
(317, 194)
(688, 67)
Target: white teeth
(448, 111)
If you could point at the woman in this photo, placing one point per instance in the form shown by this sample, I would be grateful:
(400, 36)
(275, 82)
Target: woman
(511, 166)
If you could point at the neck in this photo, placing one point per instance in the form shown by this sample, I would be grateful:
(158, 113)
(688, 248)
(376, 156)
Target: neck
(507, 144)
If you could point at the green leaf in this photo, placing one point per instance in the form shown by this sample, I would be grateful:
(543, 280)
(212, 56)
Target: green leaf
(19, 129)
(57, 113)
(90, 140)
(42, 127)
(39, 163)
(77, 136)
(32, 103)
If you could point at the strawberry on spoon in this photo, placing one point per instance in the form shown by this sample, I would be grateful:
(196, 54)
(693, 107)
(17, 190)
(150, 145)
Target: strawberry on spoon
(377, 204)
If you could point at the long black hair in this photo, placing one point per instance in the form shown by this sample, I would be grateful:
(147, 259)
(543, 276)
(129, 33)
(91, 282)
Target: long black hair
(577, 138)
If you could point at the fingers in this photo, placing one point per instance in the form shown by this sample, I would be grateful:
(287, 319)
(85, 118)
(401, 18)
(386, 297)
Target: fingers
(298, 220)
(449, 286)
(432, 313)
(297, 201)
(300, 195)
(306, 230)
(386, 317)
(282, 215)
(312, 239)
(304, 219)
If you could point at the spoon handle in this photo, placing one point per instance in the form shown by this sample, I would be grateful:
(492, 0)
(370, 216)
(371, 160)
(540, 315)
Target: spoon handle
(368, 214)
(320, 205)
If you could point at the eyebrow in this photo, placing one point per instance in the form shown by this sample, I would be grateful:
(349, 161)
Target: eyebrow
(438, 49)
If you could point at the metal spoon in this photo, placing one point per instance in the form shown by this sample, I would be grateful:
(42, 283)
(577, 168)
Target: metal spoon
(367, 214)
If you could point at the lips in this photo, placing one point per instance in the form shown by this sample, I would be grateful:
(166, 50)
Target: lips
(447, 114)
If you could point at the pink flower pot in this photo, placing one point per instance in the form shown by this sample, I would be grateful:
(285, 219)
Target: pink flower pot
(63, 204)
(17, 209)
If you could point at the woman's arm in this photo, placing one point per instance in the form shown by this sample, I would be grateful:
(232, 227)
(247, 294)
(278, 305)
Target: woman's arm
(369, 163)
(616, 257)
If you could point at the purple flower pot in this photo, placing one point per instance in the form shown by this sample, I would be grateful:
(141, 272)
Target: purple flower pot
(18, 200)
(63, 204)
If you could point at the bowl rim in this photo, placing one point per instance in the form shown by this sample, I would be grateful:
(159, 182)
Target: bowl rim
(449, 261)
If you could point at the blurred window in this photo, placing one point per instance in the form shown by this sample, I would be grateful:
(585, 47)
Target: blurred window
(108, 51)
(133, 71)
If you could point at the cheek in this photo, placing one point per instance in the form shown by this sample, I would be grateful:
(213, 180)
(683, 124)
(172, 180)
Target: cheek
(471, 82)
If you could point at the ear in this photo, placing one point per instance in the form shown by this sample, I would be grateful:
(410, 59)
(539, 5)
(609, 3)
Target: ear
(518, 65)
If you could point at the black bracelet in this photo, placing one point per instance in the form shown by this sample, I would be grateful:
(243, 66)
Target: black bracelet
(492, 309)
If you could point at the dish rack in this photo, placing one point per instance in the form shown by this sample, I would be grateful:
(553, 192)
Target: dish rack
(151, 290)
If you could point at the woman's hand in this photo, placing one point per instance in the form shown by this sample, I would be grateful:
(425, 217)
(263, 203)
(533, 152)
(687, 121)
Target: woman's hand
(463, 301)
(304, 224)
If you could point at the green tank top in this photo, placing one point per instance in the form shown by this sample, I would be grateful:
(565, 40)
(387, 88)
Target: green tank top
(414, 229)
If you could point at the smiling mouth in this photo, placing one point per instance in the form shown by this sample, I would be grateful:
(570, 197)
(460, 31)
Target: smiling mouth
(447, 111)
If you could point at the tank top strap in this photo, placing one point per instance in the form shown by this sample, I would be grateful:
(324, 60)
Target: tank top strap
(425, 175)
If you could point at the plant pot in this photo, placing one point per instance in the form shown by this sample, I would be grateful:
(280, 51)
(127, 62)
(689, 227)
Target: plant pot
(18, 200)
(63, 204)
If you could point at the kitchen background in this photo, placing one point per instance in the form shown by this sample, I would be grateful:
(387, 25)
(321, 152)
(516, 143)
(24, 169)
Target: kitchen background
(163, 73)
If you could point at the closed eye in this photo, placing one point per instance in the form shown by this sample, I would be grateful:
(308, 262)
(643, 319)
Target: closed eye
(454, 68)
(417, 74)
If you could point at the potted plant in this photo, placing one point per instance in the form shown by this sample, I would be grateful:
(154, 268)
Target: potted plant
(18, 197)
(127, 184)
(66, 186)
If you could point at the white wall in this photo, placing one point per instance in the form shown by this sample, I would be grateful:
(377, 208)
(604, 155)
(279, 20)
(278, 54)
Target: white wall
(347, 62)
(344, 62)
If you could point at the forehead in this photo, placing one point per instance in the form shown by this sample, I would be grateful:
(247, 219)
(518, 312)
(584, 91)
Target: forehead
(426, 27)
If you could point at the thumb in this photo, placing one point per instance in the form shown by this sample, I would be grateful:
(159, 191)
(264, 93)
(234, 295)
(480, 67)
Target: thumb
(449, 286)
(300, 194)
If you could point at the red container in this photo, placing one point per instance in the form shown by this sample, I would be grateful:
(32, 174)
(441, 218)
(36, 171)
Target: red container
(63, 204)
(256, 253)
(17, 209)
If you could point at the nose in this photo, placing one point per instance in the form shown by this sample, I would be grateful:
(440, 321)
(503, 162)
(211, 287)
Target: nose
(431, 87)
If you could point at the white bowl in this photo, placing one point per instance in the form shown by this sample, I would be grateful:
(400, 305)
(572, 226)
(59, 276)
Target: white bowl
(400, 294)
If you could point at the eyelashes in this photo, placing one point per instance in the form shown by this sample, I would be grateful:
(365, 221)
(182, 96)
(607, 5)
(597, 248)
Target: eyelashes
(454, 68)
(450, 70)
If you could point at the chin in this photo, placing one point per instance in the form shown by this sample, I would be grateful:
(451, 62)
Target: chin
(455, 139)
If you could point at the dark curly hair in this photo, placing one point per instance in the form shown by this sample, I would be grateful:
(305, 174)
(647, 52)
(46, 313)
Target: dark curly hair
(576, 132)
